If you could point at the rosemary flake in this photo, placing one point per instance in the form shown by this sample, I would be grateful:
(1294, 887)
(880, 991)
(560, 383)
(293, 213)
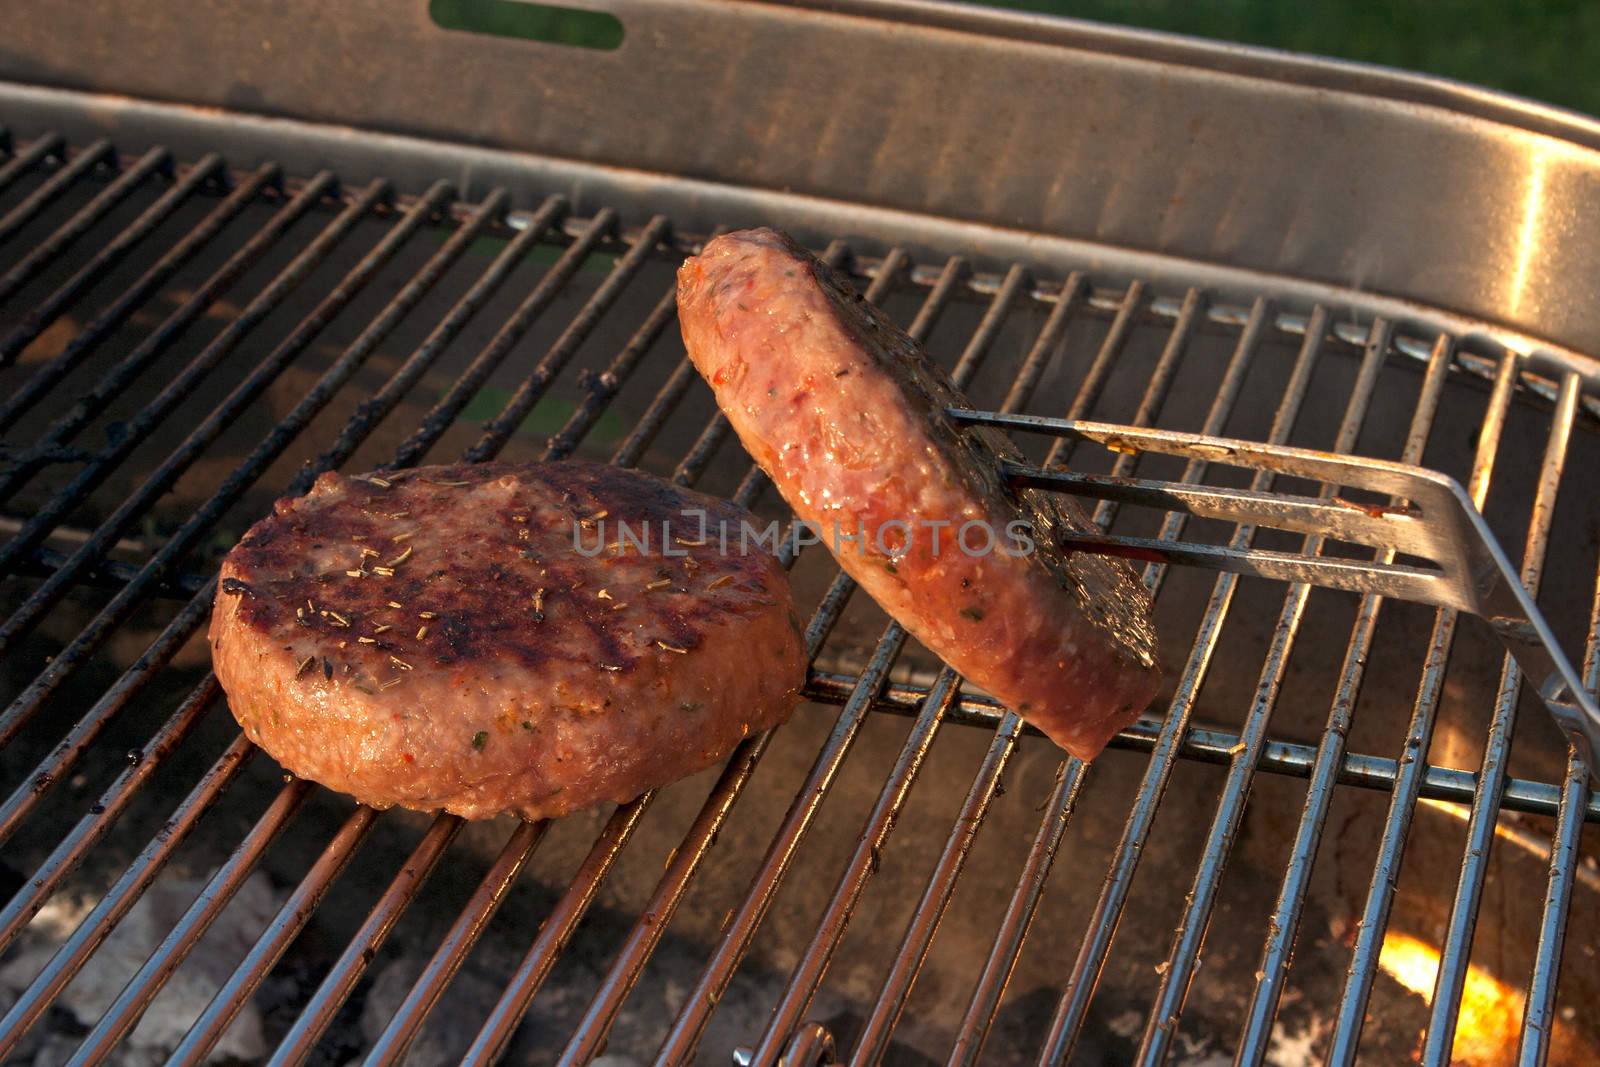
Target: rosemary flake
(365, 640)
(305, 665)
(422, 631)
(480, 739)
(380, 629)
(719, 581)
(383, 572)
(671, 648)
(659, 583)
(398, 662)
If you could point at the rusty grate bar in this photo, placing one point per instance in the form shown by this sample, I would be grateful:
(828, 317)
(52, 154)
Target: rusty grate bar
(786, 1033)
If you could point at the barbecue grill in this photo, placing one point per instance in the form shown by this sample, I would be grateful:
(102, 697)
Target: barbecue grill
(246, 243)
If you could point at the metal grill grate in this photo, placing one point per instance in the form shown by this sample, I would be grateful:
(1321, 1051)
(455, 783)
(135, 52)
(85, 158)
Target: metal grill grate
(183, 342)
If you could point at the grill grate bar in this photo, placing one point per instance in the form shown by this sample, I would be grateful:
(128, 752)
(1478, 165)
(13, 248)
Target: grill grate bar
(108, 574)
(1184, 956)
(499, 347)
(558, 927)
(1374, 919)
(740, 932)
(342, 977)
(237, 401)
(452, 951)
(46, 146)
(117, 697)
(50, 375)
(280, 932)
(1288, 758)
(1538, 1020)
(113, 801)
(1216, 421)
(1019, 914)
(875, 1033)
(110, 387)
(1102, 924)
(191, 616)
(563, 920)
(1457, 947)
(1008, 943)
(499, 430)
(158, 655)
(941, 697)
(1008, 939)
(1105, 359)
(498, 880)
(692, 850)
(862, 865)
(208, 173)
(97, 925)
(248, 971)
(97, 156)
(125, 1011)
(1285, 921)
(1538, 1014)
(153, 161)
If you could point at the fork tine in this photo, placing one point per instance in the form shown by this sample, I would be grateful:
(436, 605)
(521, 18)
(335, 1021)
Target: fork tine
(1379, 476)
(1377, 526)
(1433, 518)
(1423, 585)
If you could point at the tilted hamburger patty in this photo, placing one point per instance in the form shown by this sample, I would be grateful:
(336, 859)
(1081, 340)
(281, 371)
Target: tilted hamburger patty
(486, 639)
(847, 416)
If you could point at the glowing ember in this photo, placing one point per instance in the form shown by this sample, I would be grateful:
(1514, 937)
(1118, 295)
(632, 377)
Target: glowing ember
(1490, 1019)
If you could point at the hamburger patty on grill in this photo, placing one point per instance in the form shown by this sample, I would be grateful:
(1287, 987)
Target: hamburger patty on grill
(847, 415)
(443, 637)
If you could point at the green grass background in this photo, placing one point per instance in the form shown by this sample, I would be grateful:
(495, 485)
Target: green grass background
(1548, 51)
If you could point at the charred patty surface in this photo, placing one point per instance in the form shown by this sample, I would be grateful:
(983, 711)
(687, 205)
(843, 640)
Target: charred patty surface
(486, 638)
(847, 415)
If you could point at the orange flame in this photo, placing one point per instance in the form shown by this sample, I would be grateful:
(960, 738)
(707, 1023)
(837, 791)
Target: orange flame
(1490, 1019)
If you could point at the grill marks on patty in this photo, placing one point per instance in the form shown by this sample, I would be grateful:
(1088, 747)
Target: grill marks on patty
(511, 589)
(435, 638)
